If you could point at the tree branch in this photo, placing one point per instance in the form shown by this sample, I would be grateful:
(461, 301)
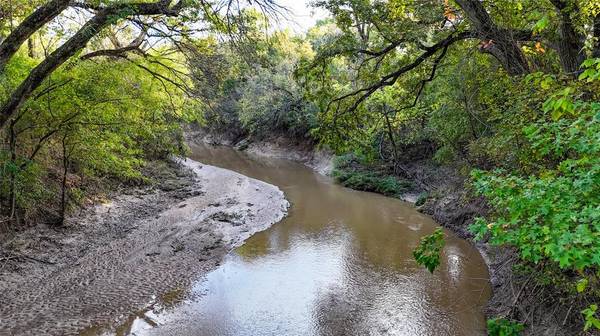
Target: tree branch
(110, 52)
(30, 25)
(133, 46)
(391, 78)
(422, 84)
(78, 41)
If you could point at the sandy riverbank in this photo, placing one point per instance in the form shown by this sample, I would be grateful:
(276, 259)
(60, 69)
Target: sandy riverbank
(115, 257)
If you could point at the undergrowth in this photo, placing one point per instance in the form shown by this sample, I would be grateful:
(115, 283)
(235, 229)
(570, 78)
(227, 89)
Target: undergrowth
(349, 172)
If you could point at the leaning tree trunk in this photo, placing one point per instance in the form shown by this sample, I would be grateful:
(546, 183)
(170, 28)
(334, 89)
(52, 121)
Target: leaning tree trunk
(496, 41)
(91, 28)
(30, 25)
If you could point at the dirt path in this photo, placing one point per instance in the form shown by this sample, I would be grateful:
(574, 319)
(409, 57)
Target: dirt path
(119, 255)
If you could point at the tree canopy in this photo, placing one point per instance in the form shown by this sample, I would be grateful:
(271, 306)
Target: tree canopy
(502, 92)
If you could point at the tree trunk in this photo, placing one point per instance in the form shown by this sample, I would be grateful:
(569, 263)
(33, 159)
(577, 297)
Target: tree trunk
(390, 133)
(508, 53)
(63, 186)
(12, 141)
(30, 25)
(77, 42)
(497, 41)
(31, 47)
(596, 50)
(570, 43)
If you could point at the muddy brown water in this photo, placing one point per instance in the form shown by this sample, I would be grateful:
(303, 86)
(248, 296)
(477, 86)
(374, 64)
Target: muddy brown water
(340, 264)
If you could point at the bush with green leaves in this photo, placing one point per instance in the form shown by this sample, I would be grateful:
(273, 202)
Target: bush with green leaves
(422, 198)
(367, 181)
(504, 327)
(350, 172)
(553, 214)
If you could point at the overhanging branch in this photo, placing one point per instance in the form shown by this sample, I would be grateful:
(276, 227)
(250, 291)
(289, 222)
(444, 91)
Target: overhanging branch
(78, 41)
(391, 78)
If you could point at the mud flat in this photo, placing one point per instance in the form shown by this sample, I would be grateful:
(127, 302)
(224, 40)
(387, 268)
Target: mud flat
(116, 257)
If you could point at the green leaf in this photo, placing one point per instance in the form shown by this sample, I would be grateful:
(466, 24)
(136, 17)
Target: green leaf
(546, 83)
(581, 285)
(556, 114)
(541, 24)
(429, 249)
(590, 318)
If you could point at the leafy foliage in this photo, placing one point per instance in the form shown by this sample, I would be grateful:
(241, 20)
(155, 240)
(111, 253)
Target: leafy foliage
(590, 318)
(389, 82)
(429, 249)
(256, 94)
(271, 100)
(421, 198)
(504, 327)
(350, 174)
(556, 213)
(110, 117)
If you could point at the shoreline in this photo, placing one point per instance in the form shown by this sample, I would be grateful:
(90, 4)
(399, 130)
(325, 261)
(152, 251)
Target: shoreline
(448, 210)
(111, 259)
(450, 205)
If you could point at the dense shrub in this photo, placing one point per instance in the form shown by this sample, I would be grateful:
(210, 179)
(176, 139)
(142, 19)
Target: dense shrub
(554, 214)
(94, 120)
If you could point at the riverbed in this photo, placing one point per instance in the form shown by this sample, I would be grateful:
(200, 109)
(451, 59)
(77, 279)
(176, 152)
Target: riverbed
(340, 263)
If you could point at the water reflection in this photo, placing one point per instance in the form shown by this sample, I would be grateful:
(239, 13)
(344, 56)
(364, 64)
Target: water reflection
(340, 264)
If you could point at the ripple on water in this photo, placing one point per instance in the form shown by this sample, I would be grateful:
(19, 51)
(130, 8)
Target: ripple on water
(340, 264)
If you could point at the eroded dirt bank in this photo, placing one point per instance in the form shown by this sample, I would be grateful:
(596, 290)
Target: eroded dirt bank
(112, 259)
(279, 147)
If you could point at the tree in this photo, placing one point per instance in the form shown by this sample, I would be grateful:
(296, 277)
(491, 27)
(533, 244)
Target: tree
(28, 26)
(108, 92)
(103, 15)
(387, 40)
(249, 88)
(502, 43)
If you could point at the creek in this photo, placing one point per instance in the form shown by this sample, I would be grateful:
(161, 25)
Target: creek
(340, 263)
